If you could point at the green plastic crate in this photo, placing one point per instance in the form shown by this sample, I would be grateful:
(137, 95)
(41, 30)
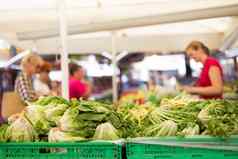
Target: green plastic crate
(182, 148)
(76, 150)
(232, 140)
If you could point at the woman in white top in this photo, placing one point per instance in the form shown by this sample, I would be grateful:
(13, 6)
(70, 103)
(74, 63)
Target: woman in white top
(41, 83)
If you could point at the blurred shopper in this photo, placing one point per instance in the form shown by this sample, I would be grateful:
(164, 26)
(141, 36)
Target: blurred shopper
(78, 86)
(30, 65)
(132, 84)
(152, 84)
(210, 82)
(42, 82)
(56, 88)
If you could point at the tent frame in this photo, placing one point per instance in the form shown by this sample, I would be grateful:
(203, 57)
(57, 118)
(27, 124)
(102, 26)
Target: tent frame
(161, 19)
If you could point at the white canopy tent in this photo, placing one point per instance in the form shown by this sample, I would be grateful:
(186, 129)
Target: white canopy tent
(32, 19)
(154, 25)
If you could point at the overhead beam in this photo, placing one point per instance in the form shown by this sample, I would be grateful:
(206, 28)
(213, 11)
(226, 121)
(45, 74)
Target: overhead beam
(15, 59)
(231, 36)
(211, 12)
(231, 26)
(137, 43)
(230, 40)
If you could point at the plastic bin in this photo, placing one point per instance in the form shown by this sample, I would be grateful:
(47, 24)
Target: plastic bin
(182, 148)
(78, 150)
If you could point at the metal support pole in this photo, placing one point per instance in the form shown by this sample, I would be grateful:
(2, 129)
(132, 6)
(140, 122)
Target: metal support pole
(114, 65)
(34, 49)
(236, 64)
(64, 51)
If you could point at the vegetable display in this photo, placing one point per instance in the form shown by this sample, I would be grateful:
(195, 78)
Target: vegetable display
(55, 119)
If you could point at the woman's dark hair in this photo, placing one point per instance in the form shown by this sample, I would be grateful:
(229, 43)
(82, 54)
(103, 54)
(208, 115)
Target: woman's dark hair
(73, 68)
(196, 45)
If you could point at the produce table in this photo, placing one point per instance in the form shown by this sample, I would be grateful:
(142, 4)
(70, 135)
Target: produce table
(173, 128)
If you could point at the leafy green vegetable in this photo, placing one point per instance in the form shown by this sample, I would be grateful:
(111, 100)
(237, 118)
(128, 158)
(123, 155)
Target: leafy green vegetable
(53, 113)
(179, 101)
(220, 117)
(166, 128)
(134, 119)
(52, 100)
(56, 135)
(94, 106)
(92, 116)
(21, 130)
(12, 118)
(3, 129)
(36, 116)
(69, 121)
(106, 131)
(191, 130)
(84, 116)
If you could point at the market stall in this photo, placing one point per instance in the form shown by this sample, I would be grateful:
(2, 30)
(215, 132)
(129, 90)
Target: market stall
(151, 122)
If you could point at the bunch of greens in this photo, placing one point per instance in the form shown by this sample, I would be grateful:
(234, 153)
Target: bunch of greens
(53, 113)
(178, 101)
(56, 135)
(166, 128)
(83, 117)
(51, 100)
(21, 130)
(106, 131)
(211, 117)
(133, 118)
(37, 118)
(190, 130)
(185, 119)
(154, 97)
(220, 117)
(181, 117)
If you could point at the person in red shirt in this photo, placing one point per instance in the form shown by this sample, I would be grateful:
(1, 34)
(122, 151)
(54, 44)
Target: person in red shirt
(78, 86)
(210, 82)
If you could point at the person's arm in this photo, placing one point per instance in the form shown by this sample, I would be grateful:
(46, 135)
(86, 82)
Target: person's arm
(88, 89)
(216, 87)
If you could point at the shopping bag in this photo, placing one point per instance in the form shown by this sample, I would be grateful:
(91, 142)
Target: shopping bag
(11, 104)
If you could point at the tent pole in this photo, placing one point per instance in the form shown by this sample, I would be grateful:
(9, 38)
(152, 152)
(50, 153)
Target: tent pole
(34, 46)
(114, 65)
(64, 51)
